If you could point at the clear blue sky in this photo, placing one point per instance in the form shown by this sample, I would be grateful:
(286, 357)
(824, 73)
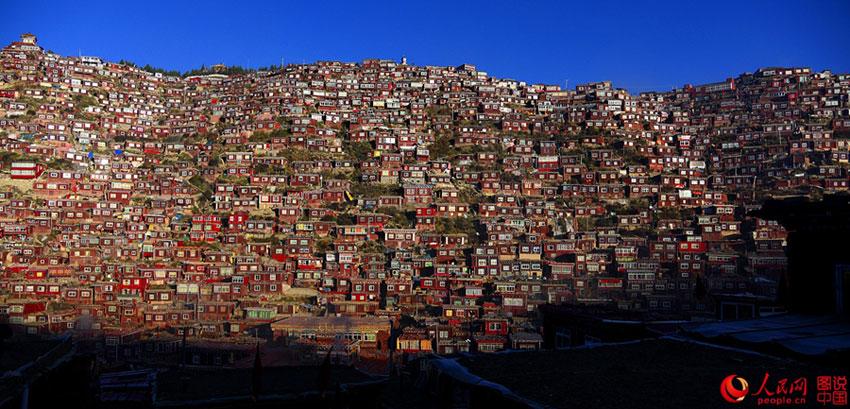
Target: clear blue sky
(654, 45)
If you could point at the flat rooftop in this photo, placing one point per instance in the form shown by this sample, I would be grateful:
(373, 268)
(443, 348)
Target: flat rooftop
(804, 335)
(647, 374)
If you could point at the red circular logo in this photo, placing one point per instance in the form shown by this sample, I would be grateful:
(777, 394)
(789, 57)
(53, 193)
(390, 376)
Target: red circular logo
(732, 393)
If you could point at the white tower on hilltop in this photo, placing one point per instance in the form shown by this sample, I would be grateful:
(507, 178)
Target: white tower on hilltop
(28, 38)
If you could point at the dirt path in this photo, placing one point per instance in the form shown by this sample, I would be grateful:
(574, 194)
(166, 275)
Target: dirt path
(24, 185)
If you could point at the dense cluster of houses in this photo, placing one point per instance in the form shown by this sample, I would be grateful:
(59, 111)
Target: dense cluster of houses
(437, 203)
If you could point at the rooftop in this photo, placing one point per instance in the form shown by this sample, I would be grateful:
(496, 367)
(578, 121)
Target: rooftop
(645, 374)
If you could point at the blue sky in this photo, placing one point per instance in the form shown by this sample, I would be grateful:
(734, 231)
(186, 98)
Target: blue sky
(638, 45)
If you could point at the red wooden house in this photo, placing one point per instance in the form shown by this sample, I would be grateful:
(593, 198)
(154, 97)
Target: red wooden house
(26, 170)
